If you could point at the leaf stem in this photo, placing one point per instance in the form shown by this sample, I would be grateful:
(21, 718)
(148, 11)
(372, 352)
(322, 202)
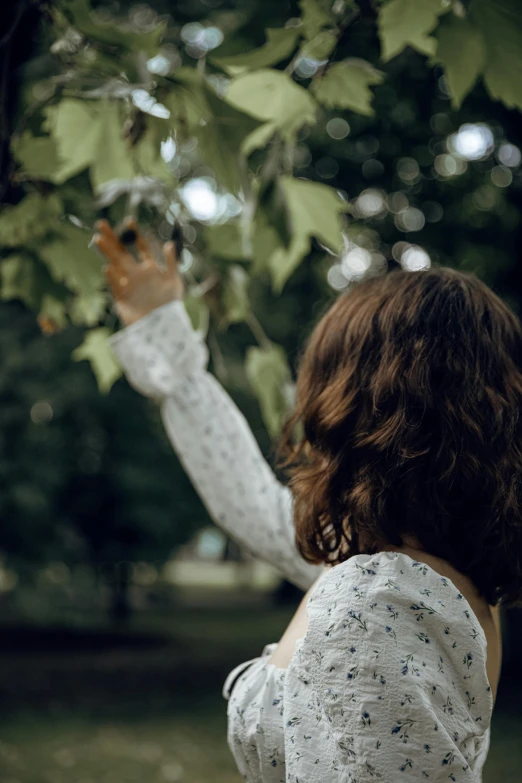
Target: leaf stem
(258, 331)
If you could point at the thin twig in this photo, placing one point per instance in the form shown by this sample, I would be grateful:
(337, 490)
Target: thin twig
(19, 13)
(258, 331)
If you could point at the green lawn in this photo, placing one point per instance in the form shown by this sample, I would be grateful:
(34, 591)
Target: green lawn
(145, 706)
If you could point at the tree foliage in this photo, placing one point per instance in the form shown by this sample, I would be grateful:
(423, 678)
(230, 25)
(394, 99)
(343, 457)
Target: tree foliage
(330, 139)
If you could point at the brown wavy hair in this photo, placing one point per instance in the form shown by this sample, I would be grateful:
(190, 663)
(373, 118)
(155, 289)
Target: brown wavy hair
(408, 405)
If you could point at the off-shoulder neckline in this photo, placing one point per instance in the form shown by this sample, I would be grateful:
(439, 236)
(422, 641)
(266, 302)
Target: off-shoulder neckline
(394, 555)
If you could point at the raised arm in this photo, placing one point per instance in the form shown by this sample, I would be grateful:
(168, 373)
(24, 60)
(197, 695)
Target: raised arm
(164, 358)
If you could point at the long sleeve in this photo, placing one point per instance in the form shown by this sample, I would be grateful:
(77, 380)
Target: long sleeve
(164, 358)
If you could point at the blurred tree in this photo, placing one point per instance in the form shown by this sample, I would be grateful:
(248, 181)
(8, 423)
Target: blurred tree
(260, 144)
(302, 146)
(84, 478)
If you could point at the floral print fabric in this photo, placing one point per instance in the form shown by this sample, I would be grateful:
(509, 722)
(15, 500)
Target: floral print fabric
(389, 683)
(165, 359)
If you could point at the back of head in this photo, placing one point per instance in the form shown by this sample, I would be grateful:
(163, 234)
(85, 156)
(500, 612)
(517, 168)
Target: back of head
(409, 395)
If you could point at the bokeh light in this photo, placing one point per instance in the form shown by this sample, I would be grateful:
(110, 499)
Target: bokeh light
(501, 176)
(337, 128)
(41, 412)
(472, 141)
(327, 167)
(168, 149)
(414, 258)
(410, 219)
(200, 198)
(336, 278)
(370, 203)
(509, 155)
(148, 104)
(306, 67)
(356, 262)
(408, 170)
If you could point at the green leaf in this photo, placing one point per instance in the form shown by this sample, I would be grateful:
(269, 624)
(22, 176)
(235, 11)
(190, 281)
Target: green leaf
(314, 210)
(405, 23)
(225, 241)
(265, 241)
(22, 277)
(37, 155)
(259, 138)
(146, 154)
(315, 15)
(269, 376)
(500, 23)
(31, 219)
(279, 45)
(111, 33)
(18, 280)
(272, 96)
(88, 309)
(346, 85)
(461, 52)
(222, 137)
(112, 159)
(235, 295)
(198, 313)
(96, 350)
(54, 309)
(70, 261)
(320, 47)
(74, 126)
(220, 128)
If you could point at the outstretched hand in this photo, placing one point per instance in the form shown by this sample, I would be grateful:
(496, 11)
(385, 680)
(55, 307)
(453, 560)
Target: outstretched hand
(138, 287)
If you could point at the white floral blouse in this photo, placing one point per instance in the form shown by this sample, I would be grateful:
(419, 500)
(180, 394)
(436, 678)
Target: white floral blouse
(389, 683)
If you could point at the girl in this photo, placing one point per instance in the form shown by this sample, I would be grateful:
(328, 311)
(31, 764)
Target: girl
(402, 518)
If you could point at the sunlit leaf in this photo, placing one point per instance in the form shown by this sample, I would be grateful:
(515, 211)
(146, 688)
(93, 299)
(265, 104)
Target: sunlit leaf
(29, 220)
(198, 313)
(146, 154)
(269, 376)
(273, 96)
(500, 23)
(346, 85)
(112, 159)
(314, 210)
(37, 155)
(18, 280)
(54, 310)
(265, 241)
(224, 241)
(316, 14)
(219, 126)
(235, 294)
(74, 126)
(111, 33)
(88, 309)
(70, 261)
(320, 46)
(461, 52)
(222, 137)
(259, 138)
(405, 23)
(95, 349)
(280, 43)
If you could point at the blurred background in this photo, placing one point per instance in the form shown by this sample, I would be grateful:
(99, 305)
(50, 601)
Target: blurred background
(301, 146)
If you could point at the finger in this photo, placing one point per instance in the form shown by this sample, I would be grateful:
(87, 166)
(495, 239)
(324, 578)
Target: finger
(169, 254)
(104, 227)
(114, 252)
(117, 281)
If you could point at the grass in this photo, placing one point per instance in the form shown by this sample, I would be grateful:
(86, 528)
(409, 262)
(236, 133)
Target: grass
(145, 704)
